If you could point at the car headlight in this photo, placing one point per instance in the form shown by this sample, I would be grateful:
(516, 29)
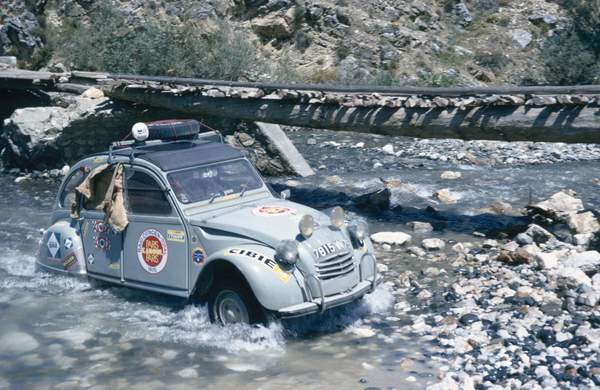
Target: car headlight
(359, 231)
(307, 226)
(337, 217)
(287, 252)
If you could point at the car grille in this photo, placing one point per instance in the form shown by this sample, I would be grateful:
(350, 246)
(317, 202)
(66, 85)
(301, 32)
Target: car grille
(335, 267)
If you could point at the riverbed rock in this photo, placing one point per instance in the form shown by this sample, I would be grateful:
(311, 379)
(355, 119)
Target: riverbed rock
(547, 260)
(559, 205)
(92, 93)
(445, 196)
(539, 234)
(587, 261)
(391, 238)
(433, 244)
(272, 26)
(450, 175)
(583, 223)
(520, 256)
(16, 343)
(420, 227)
(573, 276)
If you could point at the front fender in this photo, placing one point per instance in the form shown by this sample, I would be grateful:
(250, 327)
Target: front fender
(273, 287)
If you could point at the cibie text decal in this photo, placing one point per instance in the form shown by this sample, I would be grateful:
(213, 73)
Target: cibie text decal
(152, 251)
(269, 262)
(272, 211)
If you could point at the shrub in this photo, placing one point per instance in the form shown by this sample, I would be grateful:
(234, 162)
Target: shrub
(494, 61)
(568, 60)
(573, 56)
(105, 44)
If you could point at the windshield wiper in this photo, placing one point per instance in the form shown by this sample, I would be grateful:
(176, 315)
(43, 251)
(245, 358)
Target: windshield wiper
(215, 195)
(243, 187)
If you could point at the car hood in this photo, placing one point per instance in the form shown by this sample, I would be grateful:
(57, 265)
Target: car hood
(268, 221)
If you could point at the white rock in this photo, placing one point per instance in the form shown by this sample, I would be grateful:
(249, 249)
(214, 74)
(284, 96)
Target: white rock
(93, 93)
(522, 37)
(585, 261)
(459, 248)
(391, 238)
(362, 332)
(450, 175)
(574, 275)
(596, 282)
(388, 149)
(65, 170)
(589, 299)
(187, 373)
(547, 260)
(561, 204)
(420, 226)
(432, 244)
(16, 343)
(490, 244)
(583, 223)
(583, 239)
(510, 246)
(445, 196)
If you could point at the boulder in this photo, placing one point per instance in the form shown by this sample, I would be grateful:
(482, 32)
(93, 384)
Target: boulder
(520, 256)
(272, 26)
(522, 37)
(547, 260)
(93, 93)
(391, 238)
(445, 196)
(420, 227)
(450, 175)
(433, 244)
(583, 223)
(538, 234)
(588, 261)
(559, 205)
(573, 276)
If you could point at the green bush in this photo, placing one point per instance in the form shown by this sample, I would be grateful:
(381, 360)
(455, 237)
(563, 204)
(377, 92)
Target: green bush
(573, 56)
(106, 44)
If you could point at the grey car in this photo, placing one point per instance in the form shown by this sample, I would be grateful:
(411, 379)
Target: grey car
(202, 224)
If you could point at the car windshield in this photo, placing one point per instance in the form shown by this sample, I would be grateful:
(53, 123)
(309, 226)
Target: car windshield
(213, 181)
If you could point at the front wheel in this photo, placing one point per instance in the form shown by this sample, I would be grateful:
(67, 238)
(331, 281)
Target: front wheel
(233, 303)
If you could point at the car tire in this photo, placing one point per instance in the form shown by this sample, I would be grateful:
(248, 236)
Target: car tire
(232, 302)
(173, 129)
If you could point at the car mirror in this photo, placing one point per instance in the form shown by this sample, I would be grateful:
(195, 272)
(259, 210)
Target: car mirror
(285, 194)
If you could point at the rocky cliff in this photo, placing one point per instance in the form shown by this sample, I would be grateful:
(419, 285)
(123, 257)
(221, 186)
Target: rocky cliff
(441, 42)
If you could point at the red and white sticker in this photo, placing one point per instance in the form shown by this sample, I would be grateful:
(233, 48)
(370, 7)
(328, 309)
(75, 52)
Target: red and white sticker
(152, 251)
(273, 210)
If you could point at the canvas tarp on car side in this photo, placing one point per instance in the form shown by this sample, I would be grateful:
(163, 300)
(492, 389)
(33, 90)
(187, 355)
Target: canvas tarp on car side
(102, 190)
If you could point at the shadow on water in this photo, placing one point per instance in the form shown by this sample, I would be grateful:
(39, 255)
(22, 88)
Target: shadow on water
(449, 220)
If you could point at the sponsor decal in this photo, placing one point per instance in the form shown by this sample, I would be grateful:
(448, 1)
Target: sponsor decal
(269, 262)
(90, 258)
(114, 265)
(102, 243)
(70, 261)
(198, 255)
(99, 159)
(68, 243)
(176, 235)
(271, 211)
(331, 248)
(100, 227)
(152, 251)
(53, 245)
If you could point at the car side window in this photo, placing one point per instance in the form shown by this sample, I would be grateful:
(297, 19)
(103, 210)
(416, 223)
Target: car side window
(67, 197)
(144, 195)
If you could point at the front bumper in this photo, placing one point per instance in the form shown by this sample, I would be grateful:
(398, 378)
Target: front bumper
(322, 304)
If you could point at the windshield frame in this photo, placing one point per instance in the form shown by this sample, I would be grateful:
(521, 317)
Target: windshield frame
(224, 198)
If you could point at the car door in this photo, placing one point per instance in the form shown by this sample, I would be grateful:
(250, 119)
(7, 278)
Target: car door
(155, 241)
(102, 245)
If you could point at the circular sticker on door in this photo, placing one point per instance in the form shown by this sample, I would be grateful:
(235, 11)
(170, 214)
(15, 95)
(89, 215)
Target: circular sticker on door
(152, 251)
(273, 210)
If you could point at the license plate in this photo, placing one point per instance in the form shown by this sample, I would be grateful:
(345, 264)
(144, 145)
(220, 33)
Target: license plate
(330, 248)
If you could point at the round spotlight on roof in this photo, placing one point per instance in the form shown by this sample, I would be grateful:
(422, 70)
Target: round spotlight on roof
(140, 132)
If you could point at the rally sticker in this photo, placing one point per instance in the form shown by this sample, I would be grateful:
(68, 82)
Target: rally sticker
(176, 235)
(102, 243)
(269, 262)
(53, 244)
(273, 210)
(68, 243)
(70, 260)
(100, 227)
(198, 255)
(152, 251)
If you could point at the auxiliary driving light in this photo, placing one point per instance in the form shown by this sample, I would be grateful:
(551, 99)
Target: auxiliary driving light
(307, 226)
(337, 217)
(140, 132)
(287, 252)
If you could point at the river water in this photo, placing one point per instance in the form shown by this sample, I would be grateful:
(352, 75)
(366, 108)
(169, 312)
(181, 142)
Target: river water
(59, 331)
